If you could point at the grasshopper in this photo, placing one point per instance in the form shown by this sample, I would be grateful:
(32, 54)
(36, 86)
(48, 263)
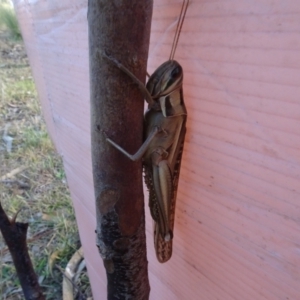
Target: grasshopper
(161, 151)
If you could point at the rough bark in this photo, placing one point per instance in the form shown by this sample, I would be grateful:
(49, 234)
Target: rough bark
(14, 234)
(121, 29)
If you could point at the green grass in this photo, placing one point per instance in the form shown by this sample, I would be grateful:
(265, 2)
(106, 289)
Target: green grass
(21, 90)
(46, 205)
(9, 21)
(35, 138)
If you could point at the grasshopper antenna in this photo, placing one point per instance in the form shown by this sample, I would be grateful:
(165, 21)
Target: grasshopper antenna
(184, 7)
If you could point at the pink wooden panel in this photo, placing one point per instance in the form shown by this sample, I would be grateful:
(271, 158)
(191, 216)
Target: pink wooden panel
(237, 232)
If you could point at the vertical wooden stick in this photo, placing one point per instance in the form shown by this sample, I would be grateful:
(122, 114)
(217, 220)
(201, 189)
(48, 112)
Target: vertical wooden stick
(121, 29)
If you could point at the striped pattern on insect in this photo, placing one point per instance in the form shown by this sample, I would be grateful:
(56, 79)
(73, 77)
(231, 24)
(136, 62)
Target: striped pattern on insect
(164, 133)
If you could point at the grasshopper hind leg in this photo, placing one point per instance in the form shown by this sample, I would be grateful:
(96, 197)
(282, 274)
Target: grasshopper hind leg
(164, 248)
(162, 180)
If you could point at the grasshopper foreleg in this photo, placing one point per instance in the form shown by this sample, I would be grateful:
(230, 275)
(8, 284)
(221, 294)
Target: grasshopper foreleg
(140, 85)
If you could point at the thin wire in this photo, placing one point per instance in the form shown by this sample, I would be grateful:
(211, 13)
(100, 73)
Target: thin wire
(184, 7)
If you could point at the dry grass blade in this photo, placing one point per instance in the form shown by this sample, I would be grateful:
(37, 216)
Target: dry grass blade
(12, 173)
(70, 272)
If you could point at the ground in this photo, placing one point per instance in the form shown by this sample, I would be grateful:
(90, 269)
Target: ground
(39, 187)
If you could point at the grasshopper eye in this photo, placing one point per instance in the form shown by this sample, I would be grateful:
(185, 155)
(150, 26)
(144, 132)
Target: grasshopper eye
(175, 72)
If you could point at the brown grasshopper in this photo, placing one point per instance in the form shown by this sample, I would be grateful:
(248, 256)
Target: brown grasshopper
(164, 133)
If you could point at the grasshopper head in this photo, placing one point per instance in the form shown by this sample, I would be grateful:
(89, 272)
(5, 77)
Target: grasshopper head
(165, 87)
(167, 78)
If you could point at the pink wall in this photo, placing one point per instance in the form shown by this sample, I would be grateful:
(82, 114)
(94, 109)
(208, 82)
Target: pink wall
(237, 226)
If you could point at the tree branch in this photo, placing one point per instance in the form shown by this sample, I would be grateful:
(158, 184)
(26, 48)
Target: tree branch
(14, 234)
